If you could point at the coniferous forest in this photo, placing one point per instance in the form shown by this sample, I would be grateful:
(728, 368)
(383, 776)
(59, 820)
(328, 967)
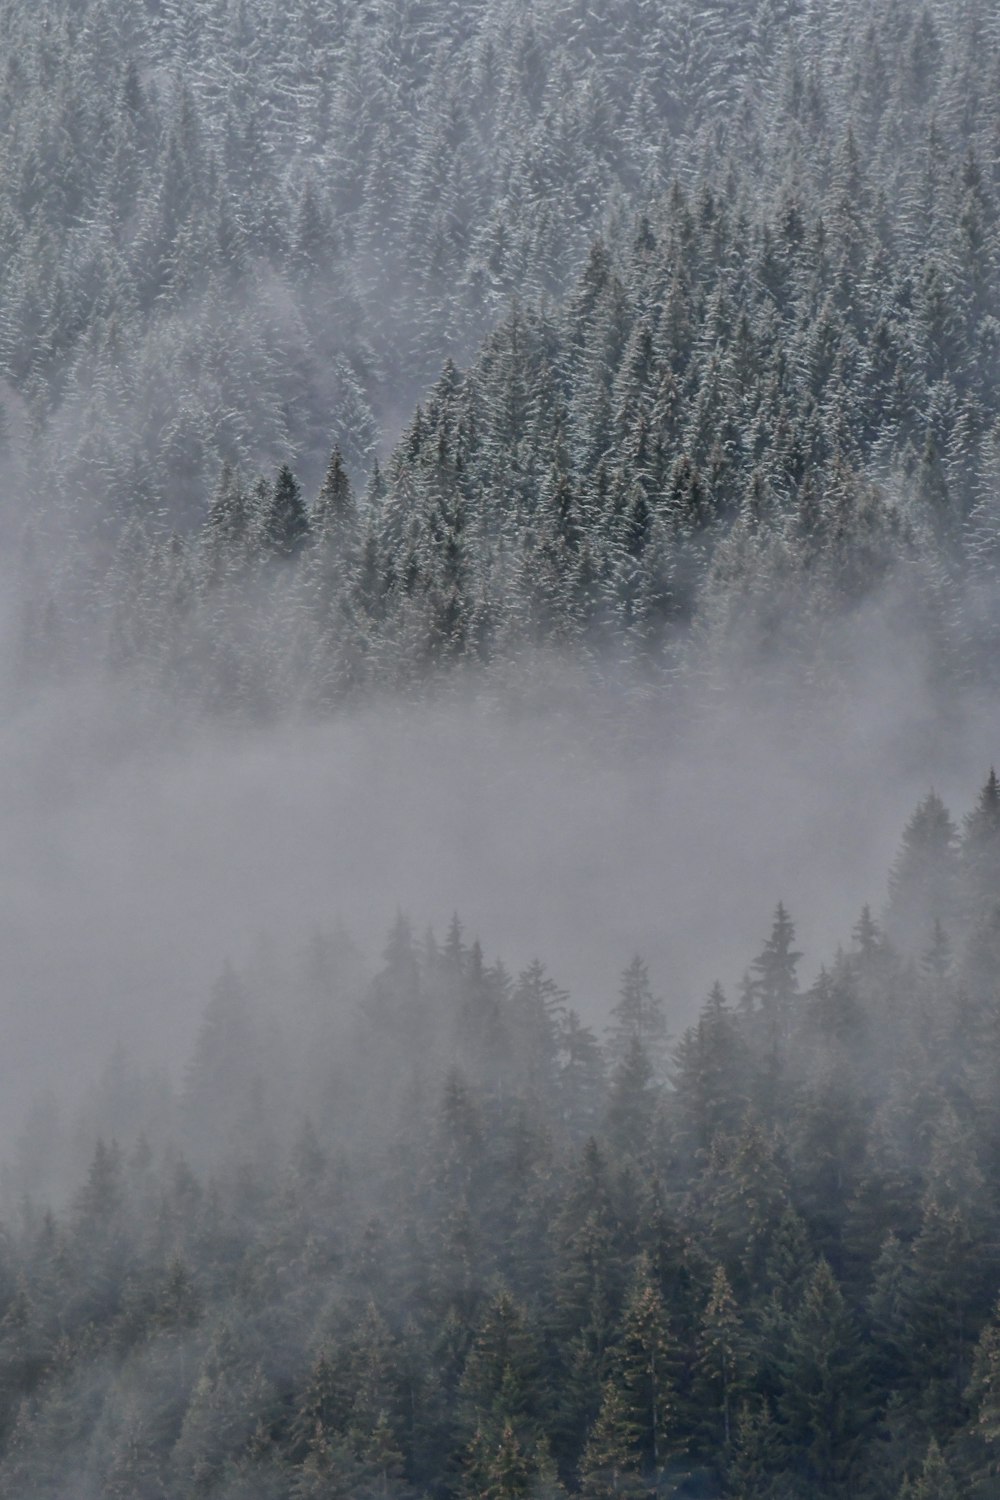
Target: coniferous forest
(426, 1232)
(629, 367)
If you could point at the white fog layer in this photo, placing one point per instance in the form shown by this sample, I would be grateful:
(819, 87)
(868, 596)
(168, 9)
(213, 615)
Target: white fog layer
(574, 822)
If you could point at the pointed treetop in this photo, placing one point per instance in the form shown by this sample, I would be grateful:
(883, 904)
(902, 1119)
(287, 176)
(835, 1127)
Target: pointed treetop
(985, 816)
(639, 1015)
(934, 1481)
(335, 509)
(286, 524)
(776, 982)
(866, 934)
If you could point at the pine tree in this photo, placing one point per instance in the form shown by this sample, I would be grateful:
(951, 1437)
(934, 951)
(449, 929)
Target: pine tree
(631, 1104)
(637, 1016)
(756, 1455)
(537, 1009)
(746, 1193)
(380, 1473)
(610, 1464)
(286, 524)
(776, 986)
(321, 1410)
(922, 883)
(709, 1077)
(824, 1402)
(934, 1481)
(723, 1367)
(335, 512)
(227, 526)
(979, 853)
(500, 1383)
(224, 1063)
(581, 1076)
(496, 1469)
(135, 1468)
(646, 1370)
(983, 1395)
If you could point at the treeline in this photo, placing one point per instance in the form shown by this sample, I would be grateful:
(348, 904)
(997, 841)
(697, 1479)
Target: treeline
(427, 1234)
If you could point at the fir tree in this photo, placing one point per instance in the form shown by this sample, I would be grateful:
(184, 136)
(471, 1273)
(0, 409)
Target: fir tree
(610, 1465)
(776, 985)
(637, 1016)
(922, 883)
(286, 524)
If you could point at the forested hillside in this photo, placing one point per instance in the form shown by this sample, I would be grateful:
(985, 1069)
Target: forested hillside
(428, 1234)
(238, 243)
(741, 426)
(545, 456)
(242, 233)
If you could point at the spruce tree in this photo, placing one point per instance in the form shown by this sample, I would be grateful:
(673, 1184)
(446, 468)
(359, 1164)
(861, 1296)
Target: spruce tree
(825, 1397)
(776, 986)
(286, 523)
(637, 1016)
(934, 1482)
(646, 1365)
(723, 1367)
(923, 880)
(610, 1464)
(979, 853)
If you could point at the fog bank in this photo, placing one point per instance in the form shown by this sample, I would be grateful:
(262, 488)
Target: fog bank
(579, 824)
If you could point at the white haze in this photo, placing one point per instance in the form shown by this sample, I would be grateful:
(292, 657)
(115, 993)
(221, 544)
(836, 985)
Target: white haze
(576, 823)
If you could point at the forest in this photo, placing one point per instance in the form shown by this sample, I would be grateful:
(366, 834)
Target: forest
(426, 1232)
(546, 456)
(736, 340)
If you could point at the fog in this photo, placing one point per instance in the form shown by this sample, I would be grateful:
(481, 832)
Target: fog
(562, 816)
(581, 825)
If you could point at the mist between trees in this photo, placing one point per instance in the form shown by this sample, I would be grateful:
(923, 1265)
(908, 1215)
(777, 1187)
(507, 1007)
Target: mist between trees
(424, 1231)
(540, 461)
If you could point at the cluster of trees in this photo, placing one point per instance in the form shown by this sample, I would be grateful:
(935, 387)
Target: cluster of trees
(428, 1234)
(760, 399)
(733, 424)
(233, 236)
(236, 231)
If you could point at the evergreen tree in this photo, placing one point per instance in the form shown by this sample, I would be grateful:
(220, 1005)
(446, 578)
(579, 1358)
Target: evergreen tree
(934, 1481)
(631, 1103)
(286, 524)
(756, 1456)
(922, 883)
(722, 1367)
(646, 1365)
(980, 852)
(638, 1016)
(776, 985)
(709, 1077)
(610, 1465)
(824, 1401)
(335, 512)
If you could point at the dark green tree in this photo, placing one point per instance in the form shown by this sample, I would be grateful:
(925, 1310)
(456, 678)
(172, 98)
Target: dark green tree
(775, 984)
(825, 1401)
(286, 522)
(924, 878)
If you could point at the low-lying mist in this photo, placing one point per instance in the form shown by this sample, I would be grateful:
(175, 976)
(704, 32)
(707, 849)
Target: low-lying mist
(578, 819)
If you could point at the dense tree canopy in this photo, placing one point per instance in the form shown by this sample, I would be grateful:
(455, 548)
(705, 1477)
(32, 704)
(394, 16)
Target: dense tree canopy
(764, 393)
